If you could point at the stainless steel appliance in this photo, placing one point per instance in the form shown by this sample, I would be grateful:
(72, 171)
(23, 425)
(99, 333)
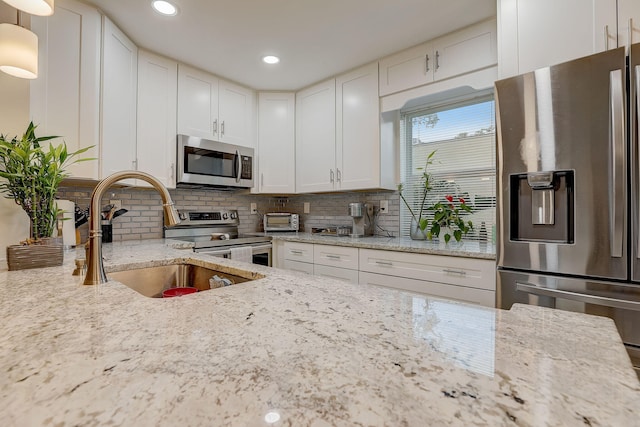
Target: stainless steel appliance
(362, 215)
(568, 183)
(281, 221)
(216, 233)
(202, 162)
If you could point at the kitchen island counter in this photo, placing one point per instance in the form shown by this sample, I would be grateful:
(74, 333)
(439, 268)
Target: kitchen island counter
(465, 248)
(293, 349)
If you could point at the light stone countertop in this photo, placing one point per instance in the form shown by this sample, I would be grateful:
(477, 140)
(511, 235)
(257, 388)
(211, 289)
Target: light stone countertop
(465, 248)
(305, 350)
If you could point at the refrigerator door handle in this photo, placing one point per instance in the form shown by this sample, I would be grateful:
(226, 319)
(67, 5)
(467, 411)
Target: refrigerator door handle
(616, 202)
(637, 75)
(576, 296)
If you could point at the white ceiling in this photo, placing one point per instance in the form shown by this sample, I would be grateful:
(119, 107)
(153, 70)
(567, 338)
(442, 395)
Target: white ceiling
(315, 39)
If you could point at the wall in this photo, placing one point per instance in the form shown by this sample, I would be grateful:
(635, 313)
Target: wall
(14, 118)
(144, 217)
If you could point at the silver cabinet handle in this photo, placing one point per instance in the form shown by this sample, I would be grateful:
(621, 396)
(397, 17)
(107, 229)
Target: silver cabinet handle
(215, 126)
(460, 272)
(606, 37)
(295, 252)
(385, 263)
(617, 140)
(331, 175)
(333, 256)
(173, 170)
(261, 181)
(339, 174)
(222, 128)
(577, 296)
(437, 60)
(427, 63)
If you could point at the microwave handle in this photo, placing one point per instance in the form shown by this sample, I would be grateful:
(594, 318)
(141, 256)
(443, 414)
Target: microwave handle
(238, 166)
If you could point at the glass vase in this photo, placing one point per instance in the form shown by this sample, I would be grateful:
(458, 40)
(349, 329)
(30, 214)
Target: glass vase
(415, 233)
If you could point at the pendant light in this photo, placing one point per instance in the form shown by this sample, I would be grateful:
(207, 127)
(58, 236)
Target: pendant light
(18, 51)
(33, 7)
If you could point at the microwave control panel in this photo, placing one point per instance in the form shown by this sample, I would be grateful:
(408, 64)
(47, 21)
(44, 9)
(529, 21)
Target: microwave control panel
(247, 167)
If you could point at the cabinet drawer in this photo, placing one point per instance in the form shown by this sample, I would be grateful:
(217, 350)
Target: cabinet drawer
(472, 273)
(303, 267)
(298, 251)
(336, 273)
(442, 290)
(336, 256)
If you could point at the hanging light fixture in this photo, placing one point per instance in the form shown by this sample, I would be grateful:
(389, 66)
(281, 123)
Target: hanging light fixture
(33, 7)
(18, 51)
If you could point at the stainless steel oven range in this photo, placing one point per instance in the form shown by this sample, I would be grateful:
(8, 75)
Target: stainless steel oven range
(216, 233)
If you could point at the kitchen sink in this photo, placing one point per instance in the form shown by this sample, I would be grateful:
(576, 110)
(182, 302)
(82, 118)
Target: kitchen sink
(152, 281)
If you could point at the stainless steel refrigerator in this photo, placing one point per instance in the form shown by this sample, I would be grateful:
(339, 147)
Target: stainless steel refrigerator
(568, 184)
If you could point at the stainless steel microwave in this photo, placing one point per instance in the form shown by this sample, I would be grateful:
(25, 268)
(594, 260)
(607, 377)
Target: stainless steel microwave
(202, 162)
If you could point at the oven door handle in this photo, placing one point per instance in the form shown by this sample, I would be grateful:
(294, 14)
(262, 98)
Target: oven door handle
(577, 296)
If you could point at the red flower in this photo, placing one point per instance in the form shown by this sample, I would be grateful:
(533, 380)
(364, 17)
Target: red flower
(449, 198)
(461, 200)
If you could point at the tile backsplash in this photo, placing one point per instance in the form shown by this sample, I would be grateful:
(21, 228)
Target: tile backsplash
(144, 217)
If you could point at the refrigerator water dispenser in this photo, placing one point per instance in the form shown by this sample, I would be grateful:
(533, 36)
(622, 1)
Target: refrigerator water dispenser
(542, 207)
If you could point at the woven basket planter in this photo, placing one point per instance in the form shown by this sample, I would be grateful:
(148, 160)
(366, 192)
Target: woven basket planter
(21, 257)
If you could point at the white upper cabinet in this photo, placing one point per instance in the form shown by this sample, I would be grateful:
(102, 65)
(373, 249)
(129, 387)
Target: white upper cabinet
(236, 106)
(358, 151)
(215, 109)
(197, 103)
(157, 106)
(316, 138)
(119, 93)
(460, 52)
(538, 33)
(628, 22)
(276, 143)
(65, 98)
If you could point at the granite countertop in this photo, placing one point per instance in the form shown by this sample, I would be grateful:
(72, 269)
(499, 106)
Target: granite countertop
(293, 349)
(465, 248)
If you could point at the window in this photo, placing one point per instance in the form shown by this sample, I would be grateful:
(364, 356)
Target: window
(462, 134)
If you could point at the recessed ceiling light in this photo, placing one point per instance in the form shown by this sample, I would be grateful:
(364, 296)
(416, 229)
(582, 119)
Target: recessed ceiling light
(164, 7)
(270, 59)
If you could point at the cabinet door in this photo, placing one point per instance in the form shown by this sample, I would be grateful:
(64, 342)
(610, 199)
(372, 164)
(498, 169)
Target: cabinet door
(358, 129)
(335, 256)
(119, 93)
(65, 98)
(466, 50)
(236, 114)
(197, 103)
(540, 33)
(410, 68)
(628, 22)
(301, 252)
(157, 105)
(336, 273)
(316, 138)
(276, 143)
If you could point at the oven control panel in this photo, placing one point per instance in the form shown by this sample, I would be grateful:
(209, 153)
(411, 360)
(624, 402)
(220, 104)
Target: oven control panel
(202, 218)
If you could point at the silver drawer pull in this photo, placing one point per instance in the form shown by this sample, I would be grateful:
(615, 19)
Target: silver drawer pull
(333, 256)
(296, 252)
(460, 272)
(385, 263)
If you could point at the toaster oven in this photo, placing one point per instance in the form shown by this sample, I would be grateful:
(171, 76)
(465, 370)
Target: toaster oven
(281, 221)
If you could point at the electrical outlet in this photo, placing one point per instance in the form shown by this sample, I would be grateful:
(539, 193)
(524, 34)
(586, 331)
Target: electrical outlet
(254, 209)
(307, 207)
(116, 203)
(384, 206)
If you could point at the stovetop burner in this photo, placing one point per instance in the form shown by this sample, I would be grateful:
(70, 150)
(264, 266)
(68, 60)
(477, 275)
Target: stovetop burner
(205, 230)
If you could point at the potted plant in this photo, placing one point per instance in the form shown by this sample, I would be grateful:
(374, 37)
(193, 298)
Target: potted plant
(447, 214)
(31, 177)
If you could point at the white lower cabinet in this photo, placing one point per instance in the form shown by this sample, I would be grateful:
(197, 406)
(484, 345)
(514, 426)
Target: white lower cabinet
(463, 279)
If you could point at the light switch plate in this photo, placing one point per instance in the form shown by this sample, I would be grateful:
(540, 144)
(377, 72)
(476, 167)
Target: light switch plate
(254, 209)
(384, 206)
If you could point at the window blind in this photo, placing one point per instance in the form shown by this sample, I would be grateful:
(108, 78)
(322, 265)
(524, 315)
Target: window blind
(462, 134)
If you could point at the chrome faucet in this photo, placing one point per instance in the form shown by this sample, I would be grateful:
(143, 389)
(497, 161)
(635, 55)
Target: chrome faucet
(95, 267)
